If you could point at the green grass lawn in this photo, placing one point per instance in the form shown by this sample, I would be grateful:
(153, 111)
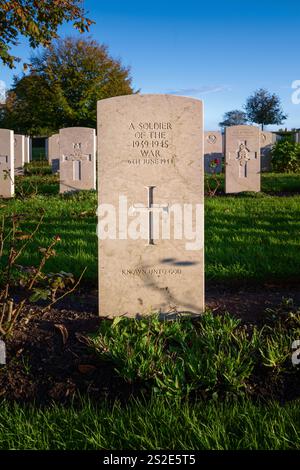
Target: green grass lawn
(270, 182)
(251, 236)
(273, 182)
(158, 424)
(70, 217)
(248, 237)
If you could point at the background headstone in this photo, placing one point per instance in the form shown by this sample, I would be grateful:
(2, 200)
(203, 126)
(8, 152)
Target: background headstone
(242, 159)
(27, 149)
(19, 151)
(267, 140)
(2, 353)
(7, 157)
(53, 152)
(77, 146)
(213, 149)
(297, 137)
(30, 149)
(150, 151)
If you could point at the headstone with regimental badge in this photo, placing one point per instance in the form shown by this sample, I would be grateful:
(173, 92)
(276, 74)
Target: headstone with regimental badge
(77, 148)
(213, 151)
(242, 159)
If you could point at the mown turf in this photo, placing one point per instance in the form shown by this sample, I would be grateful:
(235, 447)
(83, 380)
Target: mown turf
(277, 182)
(250, 236)
(158, 424)
(73, 219)
(270, 182)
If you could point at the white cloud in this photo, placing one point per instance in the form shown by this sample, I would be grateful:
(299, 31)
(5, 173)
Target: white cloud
(203, 90)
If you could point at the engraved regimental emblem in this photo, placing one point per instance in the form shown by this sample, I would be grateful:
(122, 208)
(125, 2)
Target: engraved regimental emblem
(211, 139)
(77, 153)
(244, 156)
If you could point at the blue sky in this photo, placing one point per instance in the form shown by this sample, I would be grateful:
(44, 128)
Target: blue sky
(216, 51)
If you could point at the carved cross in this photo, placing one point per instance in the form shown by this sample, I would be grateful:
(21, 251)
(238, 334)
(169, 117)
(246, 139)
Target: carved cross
(151, 209)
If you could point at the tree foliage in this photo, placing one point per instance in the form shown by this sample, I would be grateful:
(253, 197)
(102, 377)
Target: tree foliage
(62, 89)
(38, 21)
(264, 108)
(233, 118)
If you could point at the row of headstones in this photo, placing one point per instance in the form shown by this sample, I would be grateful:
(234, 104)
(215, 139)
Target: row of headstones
(73, 152)
(150, 198)
(215, 149)
(77, 156)
(14, 153)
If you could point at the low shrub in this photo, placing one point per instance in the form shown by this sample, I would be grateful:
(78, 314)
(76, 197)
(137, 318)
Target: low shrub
(37, 168)
(175, 357)
(213, 356)
(286, 156)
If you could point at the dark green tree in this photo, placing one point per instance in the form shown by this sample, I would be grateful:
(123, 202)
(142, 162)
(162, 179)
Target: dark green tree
(62, 89)
(264, 108)
(235, 117)
(37, 20)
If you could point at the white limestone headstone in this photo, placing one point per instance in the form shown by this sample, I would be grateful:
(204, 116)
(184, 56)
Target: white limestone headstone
(27, 149)
(150, 214)
(53, 152)
(213, 151)
(2, 353)
(7, 157)
(267, 140)
(19, 151)
(77, 147)
(242, 159)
